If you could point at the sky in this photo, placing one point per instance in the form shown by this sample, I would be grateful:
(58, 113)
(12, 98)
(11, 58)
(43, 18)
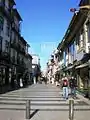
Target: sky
(44, 24)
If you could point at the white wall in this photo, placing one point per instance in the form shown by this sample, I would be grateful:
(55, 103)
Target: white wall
(35, 59)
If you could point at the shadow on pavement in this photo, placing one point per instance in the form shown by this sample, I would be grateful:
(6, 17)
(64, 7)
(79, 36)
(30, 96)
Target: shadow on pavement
(31, 115)
(5, 89)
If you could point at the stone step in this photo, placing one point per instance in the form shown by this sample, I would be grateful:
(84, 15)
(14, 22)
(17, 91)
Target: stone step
(64, 102)
(36, 103)
(46, 107)
(31, 91)
(34, 95)
(32, 98)
(40, 100)
(41, 104)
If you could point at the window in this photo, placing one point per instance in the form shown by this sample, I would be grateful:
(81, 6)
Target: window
(89, 49)
(1, 23)
(10, 5)
(88, 27)
(14, 37)
(6, 46)
(71, 52)
(0, 43)
(8, 29)
(3, 2)
(77, 42)
(81, 38)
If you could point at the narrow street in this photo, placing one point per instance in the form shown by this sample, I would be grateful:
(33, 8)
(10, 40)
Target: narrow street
(47, 103)
(44, 41)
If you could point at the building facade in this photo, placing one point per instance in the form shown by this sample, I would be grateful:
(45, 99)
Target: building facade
(13, 47)
(36, 68)
(53, 68)
(73, 52)
(74, 49)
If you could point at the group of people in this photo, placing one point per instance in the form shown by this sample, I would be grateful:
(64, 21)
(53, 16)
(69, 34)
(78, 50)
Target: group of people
(69, 87)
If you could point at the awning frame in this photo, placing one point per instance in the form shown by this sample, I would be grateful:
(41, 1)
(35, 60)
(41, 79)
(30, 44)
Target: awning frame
(82, 65)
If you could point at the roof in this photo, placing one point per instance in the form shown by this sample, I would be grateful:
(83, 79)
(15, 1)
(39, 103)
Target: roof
(28, 45)
(23, 40)
(13, 2)
(35, 55)
(29, 56)
(17, 14)
(67, 32)
(59, 45)
(84, 2)
(68, 36)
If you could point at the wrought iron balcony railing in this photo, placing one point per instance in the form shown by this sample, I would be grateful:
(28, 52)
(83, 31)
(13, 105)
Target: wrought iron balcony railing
(18, 47)
(13, 59)
(5, 10)
(14, 44)
(5, 56)
(15, 27)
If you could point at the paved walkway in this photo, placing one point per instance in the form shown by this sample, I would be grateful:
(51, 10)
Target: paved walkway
(47, 103)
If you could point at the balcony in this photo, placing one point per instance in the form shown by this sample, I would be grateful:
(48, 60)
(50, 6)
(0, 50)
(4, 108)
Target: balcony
(13, 60)
(18, 47)
(14, 44)
(18, 60)
(16, 28)
(22, 50)
(21, 63)
(2, 5)
(6, 11)
(5, 56)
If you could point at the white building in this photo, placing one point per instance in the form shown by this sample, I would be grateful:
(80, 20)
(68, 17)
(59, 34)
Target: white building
(36, 68)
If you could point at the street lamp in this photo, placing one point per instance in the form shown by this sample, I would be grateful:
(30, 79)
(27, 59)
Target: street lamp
(85, 7)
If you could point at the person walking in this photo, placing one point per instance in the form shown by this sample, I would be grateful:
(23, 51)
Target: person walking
(65, 87)
(73, 85)
(53, 80)
(21, 83)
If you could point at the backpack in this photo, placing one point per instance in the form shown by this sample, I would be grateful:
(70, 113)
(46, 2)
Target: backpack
(65, 83)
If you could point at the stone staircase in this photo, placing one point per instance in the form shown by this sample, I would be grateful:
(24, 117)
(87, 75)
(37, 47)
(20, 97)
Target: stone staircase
(46, 102)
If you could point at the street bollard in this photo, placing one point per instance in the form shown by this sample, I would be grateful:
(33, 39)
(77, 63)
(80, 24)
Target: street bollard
(27, 109)
(71, 109)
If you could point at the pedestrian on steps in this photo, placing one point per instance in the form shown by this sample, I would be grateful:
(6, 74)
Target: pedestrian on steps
(65, 87)
(73, 85)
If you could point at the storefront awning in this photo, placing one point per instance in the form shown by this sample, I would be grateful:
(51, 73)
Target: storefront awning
(70, 67)
(81, 66)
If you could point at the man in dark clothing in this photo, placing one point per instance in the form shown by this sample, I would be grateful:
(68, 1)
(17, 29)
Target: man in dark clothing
(65, 87)
(73, 85)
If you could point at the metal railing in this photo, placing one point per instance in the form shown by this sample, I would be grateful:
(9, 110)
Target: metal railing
(71, 109)
(27, 109)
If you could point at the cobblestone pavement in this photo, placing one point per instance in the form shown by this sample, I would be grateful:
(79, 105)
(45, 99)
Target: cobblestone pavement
(46, 101)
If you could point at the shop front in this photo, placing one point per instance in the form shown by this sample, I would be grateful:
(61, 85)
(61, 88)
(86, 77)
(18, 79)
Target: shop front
(82, 77)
